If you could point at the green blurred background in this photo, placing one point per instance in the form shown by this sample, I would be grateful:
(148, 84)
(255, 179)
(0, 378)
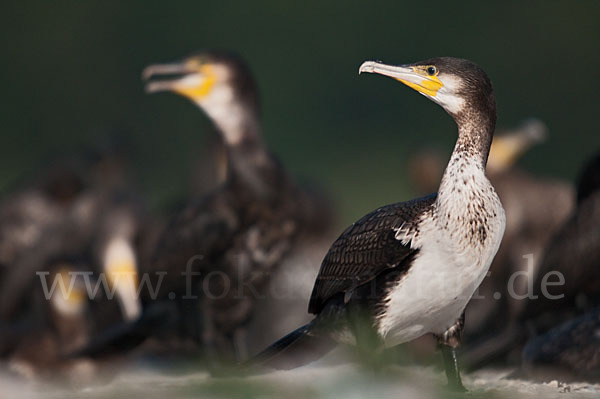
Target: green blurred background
(71, 73)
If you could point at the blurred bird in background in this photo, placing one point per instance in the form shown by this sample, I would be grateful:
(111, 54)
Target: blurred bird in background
(84, 209)
(565, 285)
(232, 240)
(56, 317)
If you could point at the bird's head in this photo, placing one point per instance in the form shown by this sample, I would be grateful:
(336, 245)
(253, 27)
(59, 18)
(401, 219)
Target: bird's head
(459, 86)
(69, 297)
(509, 146)
(219, 83)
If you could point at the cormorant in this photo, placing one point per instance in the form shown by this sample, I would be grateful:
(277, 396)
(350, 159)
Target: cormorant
(410, 268)
(574, 252)
(98, 220)
(536, 208)
(237, 235)
(567, 280)
(49, 323)
(60, 313)
(27, 212)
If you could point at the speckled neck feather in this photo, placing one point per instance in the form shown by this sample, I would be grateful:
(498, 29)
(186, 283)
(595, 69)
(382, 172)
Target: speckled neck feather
(475, 134)
(466, 198)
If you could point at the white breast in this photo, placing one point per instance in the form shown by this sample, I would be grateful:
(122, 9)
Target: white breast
(457, 244)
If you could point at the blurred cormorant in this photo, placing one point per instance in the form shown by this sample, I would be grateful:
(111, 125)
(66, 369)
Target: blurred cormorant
(567, 280)
(238, 235)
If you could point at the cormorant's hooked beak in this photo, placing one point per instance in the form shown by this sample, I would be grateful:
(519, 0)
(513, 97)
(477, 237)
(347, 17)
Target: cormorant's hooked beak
(414, 77)
(185, 78)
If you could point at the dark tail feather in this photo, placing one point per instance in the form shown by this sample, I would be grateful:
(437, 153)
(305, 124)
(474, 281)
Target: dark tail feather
(125, 336)
(296, 349)
(117, 339)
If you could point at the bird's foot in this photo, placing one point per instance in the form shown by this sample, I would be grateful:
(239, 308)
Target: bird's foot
(456, 387)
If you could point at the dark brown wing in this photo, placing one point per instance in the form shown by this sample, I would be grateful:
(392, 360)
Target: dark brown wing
(366, 249)
(196, 236)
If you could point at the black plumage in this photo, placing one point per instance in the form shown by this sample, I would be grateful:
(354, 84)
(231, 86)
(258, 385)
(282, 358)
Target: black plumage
(366, 249)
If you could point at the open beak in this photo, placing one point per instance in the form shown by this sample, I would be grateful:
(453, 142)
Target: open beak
(409, 75)
(169, 77)
(163, 69)
(182, 78)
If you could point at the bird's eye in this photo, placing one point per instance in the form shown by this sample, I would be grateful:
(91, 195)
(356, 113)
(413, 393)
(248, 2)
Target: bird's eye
(431, 70)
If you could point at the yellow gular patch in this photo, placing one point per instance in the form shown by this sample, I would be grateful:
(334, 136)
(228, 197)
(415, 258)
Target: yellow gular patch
(207, 79)
(429, 85)
(73, 296)
(77, 296)
(121, 273)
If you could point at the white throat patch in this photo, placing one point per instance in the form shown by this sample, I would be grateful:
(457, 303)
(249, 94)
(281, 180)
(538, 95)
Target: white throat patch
(224, 110)
(446, 97)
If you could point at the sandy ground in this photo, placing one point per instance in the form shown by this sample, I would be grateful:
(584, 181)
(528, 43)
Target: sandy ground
(320, 380)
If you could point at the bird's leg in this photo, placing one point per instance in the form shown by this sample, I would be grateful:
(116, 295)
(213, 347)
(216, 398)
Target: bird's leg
(190, 320)
(209, 334)
(240, 344)
(449, 342)
(368, 343)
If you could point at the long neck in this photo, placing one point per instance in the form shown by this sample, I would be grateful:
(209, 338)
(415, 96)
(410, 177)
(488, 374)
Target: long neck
(469, 158)
(236, 117)
(251, 169)
(254, 172)
(475, 133)
(236, 123)
(467, 201)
